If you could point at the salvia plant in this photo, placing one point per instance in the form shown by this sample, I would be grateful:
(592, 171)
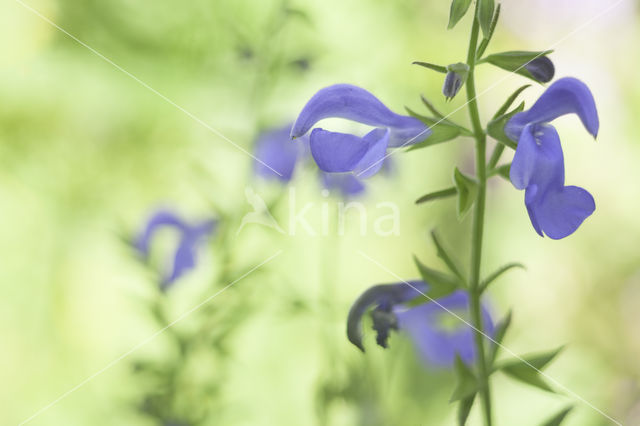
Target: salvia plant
(555, 209)
(173, 394)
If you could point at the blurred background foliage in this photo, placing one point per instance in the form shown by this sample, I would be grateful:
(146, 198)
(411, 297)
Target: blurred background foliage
(87, 152)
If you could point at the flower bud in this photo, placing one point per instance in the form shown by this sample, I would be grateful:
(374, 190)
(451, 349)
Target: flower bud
(541, 68)
(455, 79)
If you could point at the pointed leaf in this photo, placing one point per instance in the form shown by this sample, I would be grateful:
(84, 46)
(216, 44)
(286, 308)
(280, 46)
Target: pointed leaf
(466, 382)
(458, 10)
(467, 192)
(440, 284)
(464, 408)
(515, 61)
(503, 171)
(485, 16)
(557, 419)
(441, 131)
(431, 107)
(444, 193)
(446, 257)
(495, 128)
(527, 369)
(541, 360)
(434, 67)
(510, 100)
(501, 331)
(526, 374)
(496, 274)
(485, 42)
(435, 122)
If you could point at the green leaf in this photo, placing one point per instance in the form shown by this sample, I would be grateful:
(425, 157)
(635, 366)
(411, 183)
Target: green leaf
(464, 408)
(503, 171)
(431, 107)
(510, 100)
(466, 382)
(527, 375)
(557, 419)
(541, 360)
(527, 369)
(446, 257)
(440, 284)
(515, 61)
(441, 131)
(434, 67)
(444, 193)
(467, 192)
(485, 16)
(495, 128)
(458, 10)
(496, 274)
(501, 331)
(485, 42)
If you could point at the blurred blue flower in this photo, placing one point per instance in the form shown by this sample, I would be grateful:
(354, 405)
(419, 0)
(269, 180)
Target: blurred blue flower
(185, 253)
(273, 148)
(538, 165)
(426, 324)
(346, 184)
(341, 152)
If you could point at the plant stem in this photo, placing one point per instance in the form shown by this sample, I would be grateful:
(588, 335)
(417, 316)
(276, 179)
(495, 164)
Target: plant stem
(478, 226)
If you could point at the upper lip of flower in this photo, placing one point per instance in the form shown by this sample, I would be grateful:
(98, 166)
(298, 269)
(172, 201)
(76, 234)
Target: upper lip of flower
(566, 96)
(184, 256)
(339, 152)
(387, 295)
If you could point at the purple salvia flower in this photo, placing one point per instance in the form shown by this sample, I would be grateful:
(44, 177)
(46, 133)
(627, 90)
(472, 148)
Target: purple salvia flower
(538, 164)
(341, 152)
(274, 148)
(185, 254)
(347, 184)
(435, 344)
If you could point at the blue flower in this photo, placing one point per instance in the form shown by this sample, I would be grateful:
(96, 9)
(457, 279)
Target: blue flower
(436, 344)
(346, 183)
(273, 148)
(184, 257)
(341, 152)
(538, 164)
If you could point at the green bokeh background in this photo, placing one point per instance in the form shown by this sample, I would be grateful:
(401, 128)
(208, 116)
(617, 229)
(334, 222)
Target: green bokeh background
(87, 152)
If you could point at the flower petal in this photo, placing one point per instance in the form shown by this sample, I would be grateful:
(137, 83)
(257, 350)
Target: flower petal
(346, 183)
(436, 345)
(530, 197)
(560, 213)
(565, 96)
(183, 261)
(538, 159)
(385, 295)
(275, 152)
(356, 104)
(337, 152)
(371, 163)
(158, 219)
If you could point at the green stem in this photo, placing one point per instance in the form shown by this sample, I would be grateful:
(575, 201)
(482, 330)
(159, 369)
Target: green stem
(478, 226)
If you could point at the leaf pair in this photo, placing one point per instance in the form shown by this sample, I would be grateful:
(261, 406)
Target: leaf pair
(527, 369)
(465, 187)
